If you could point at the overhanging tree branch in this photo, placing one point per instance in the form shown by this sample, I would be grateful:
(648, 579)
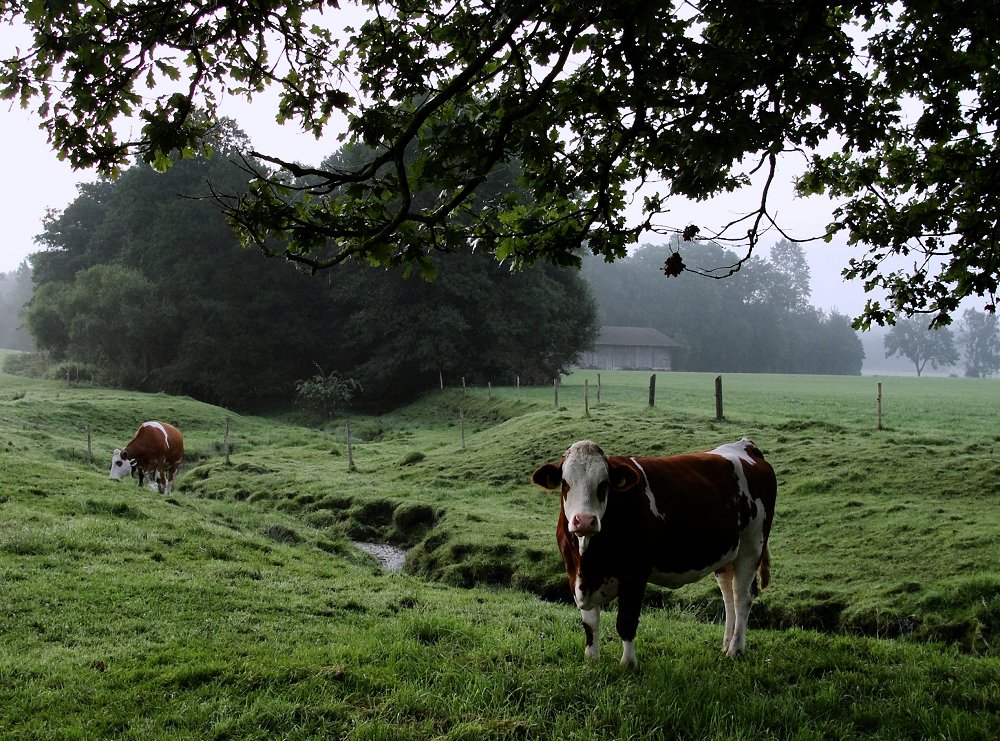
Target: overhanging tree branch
(587, 100)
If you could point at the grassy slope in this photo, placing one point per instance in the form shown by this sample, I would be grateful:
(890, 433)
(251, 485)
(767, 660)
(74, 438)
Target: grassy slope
(235, 608)
(877, 533)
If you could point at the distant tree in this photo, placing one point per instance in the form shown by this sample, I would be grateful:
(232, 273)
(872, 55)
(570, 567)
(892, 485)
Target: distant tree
(758, 320)
(16, 288)
(980, 339)
(836, 347)
(791, 290)
(911, 338)
(143, 278)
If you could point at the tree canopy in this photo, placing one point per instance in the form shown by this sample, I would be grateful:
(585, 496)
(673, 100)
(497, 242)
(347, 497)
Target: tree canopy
(894, 108)
(141, 279)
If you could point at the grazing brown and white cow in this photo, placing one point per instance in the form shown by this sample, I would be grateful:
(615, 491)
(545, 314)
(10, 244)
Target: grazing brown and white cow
(157, 449)
(626, 521)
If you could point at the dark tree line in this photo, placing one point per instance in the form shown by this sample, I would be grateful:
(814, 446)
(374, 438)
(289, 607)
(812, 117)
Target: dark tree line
(146, 283)
(758, 320)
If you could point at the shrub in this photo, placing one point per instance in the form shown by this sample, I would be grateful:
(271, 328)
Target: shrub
(73, 372)
(324, 393)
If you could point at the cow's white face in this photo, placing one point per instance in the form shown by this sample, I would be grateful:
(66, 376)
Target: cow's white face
(584, 478)
(120, 466)
(585, 484)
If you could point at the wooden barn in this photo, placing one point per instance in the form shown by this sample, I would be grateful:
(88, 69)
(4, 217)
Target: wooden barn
(631, 348)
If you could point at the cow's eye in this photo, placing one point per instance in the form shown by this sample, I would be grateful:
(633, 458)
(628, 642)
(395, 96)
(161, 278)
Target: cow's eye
(602, 491)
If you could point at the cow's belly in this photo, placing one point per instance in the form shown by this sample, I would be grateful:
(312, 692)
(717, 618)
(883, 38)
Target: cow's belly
(674, 579)
(589, 599)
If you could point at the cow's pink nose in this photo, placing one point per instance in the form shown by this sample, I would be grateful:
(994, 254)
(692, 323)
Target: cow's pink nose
(585, 524)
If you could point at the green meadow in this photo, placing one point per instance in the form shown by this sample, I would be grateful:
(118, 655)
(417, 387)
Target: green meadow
(238, 607)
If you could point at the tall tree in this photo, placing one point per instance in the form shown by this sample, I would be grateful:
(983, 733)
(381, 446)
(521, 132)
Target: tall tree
(914, 340)
(788, 262)
(980, 340)
(593, 98)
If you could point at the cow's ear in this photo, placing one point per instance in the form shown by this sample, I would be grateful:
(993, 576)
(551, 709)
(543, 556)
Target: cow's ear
(622, 477)
(548, 476)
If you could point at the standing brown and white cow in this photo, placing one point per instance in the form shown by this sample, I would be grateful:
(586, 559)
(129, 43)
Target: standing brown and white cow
(156, 449)
(628, 521)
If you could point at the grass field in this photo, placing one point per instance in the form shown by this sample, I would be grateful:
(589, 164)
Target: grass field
(237, 607)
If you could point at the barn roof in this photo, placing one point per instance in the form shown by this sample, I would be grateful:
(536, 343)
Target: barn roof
(635, 336)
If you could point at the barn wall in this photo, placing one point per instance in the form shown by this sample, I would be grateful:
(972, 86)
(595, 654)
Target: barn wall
(627, 357)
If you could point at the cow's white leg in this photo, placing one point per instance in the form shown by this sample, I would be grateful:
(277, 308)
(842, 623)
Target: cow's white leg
(743, 576)
(724, 577)
(592, 628)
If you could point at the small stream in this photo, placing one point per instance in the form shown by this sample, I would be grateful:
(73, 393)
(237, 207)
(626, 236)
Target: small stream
(388, 556)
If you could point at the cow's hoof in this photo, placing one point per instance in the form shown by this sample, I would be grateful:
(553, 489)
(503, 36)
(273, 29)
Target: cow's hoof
(628, 655)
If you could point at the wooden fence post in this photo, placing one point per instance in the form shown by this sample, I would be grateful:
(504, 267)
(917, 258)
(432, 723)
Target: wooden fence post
(225, 440)
(90, 447)
(878, 399)
(718, 398)
(489, 388)
(652, 390)
(441, 378)
(555, 392)
(598, 388)
(586, 397)
(463, 385)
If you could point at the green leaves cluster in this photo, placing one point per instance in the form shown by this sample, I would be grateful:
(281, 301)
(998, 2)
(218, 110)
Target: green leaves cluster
(896, 106)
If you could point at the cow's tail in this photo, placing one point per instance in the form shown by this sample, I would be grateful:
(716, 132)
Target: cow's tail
(764, 570)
